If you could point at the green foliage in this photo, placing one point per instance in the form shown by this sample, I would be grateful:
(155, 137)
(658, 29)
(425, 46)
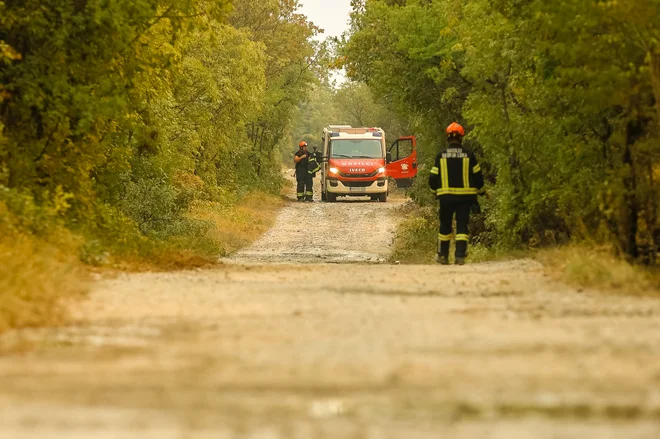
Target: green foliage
(562, 102)
(352, 104)
(293, 64)
(116, 117)
(416, 238)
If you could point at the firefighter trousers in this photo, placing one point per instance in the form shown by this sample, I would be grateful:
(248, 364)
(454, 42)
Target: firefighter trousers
(305, 189)
(460, 206)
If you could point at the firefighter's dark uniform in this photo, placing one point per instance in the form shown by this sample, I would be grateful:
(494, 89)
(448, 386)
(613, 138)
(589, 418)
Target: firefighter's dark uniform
(314, 166)
(456, 180)
(303, 177)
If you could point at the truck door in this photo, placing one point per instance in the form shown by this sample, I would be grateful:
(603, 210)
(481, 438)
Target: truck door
(402, 161)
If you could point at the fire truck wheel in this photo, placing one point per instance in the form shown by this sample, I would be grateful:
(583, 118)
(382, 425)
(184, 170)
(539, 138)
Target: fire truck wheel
(331, 197)
(382, 197)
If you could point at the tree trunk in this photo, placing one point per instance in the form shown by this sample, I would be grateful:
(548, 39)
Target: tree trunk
(629, 236)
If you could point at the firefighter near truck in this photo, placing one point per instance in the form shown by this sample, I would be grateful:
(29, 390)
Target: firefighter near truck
(357, 162)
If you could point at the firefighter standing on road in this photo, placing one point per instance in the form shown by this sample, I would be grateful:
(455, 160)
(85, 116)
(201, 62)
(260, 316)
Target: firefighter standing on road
(304, 191)
(314, 166)
(456, 180)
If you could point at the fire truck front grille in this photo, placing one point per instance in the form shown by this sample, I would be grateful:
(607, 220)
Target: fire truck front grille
(358, 175)
(372, 174)
(357, 183)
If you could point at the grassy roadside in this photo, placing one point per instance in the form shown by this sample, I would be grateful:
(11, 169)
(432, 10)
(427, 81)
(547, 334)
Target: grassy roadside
(228, 227)
(40, 272)
(37, 274)
(595, 267)
(417, 237)
(580, 265)
(36, 279)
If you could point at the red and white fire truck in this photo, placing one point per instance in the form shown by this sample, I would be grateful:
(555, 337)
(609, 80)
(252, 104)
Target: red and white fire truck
(358, 162)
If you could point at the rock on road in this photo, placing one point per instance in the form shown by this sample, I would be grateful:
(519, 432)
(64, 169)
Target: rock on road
(309, 333)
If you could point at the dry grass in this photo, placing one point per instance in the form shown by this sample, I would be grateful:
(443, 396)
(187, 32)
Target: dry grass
(416, 236)
(36, 280)
(582, 266)
(597, 268)
(38, 276)
(230, 227)
(236, 226)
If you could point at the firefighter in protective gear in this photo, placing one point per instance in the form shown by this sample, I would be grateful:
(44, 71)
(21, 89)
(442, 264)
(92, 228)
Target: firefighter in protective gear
(456, 180)
(304, 191)
(314, 167)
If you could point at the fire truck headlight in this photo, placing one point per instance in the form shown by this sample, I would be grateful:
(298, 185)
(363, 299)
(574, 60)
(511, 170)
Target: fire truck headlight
(334, 170)
(381, 170)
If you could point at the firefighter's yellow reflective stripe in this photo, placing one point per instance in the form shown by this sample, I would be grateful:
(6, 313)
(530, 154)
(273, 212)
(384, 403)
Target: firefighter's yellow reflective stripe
(456, 191)
(309, 193)
(433, 191)
(435, 171)
(300, 194)
(444, 174)
(462, 237)
(476, 168)
(466, 173)
(444, 238)
(481, 191)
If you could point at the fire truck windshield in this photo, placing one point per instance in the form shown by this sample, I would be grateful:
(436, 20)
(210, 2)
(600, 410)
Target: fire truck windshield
(356, 149)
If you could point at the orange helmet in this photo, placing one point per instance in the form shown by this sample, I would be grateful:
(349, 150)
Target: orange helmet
(301, 144)
(455, 128)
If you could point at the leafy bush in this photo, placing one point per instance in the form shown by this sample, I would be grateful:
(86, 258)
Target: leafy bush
(561, 101)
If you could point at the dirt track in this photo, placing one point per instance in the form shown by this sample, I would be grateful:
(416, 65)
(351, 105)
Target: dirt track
(302, 349)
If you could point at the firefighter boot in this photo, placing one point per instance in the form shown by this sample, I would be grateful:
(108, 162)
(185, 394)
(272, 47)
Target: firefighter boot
(461, 252)
(443, 251)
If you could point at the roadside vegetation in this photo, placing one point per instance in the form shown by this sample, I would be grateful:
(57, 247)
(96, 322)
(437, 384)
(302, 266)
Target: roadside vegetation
(561, 101)
(140, 134)
(584, 265)
(36, 274)
(150, 134)
(416, 239)
(591, 266)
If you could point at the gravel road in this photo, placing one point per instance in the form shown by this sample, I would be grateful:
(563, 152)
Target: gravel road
(320, 338)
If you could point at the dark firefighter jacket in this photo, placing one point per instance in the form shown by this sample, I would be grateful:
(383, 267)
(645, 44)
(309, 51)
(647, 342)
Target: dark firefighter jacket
(456, 172)
(314, 166)
(302, 167)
